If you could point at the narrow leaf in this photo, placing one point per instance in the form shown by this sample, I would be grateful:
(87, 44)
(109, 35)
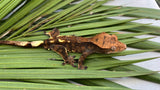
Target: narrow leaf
(20, 14)
(33, 86)
(63, 74)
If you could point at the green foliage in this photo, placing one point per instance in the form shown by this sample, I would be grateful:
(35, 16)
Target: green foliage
(30, 68)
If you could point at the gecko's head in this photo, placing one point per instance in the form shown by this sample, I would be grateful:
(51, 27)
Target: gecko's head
(117, 47)
(108, 43)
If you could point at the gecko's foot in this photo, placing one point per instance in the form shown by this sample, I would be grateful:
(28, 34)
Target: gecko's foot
(70, 61)
(74, 65)
(82, 67)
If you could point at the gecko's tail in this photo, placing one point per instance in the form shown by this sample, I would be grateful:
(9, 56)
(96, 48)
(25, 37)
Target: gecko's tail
(23, 43)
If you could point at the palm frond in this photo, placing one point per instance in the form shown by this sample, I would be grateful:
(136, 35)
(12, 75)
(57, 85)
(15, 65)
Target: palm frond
(31, 68)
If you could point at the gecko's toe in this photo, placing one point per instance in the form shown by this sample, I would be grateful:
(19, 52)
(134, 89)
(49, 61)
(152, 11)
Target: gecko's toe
(74, 65)
(63, 64)
(74, 56)
(85, 67)
(82, 67)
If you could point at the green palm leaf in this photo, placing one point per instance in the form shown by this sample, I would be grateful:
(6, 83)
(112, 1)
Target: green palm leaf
(31, 68)
(34, 86)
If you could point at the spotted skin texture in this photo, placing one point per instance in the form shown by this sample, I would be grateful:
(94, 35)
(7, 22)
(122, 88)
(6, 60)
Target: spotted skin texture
(101, 43)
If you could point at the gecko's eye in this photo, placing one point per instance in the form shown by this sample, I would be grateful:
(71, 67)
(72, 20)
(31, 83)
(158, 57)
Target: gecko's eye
(113, 48)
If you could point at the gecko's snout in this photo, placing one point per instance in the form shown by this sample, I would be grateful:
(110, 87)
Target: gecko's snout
(121, 46)
(118, 47)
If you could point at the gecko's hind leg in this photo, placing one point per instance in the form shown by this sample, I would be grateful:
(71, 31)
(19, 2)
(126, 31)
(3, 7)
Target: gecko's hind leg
(82, 58)
(52, 34)
(61, 50)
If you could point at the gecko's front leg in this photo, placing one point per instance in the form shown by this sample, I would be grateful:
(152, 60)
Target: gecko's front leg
(82, 58)
(61, 50)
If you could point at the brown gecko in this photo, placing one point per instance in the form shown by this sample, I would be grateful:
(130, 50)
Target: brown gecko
(101, 43)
